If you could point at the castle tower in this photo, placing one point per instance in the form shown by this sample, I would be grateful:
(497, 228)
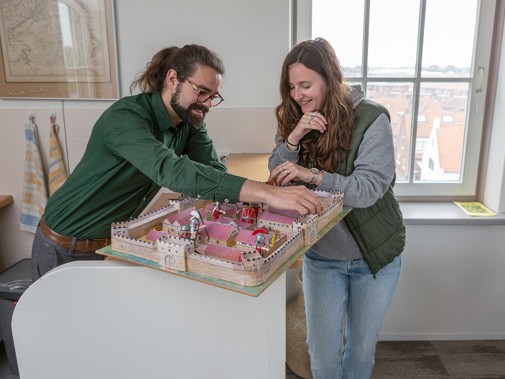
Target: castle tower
(173, 253)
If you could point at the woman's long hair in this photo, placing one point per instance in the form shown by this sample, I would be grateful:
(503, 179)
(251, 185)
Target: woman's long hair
(183, 60)
(325, 150)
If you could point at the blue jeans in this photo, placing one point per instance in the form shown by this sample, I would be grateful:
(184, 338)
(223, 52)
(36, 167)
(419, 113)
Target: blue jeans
(343, 297)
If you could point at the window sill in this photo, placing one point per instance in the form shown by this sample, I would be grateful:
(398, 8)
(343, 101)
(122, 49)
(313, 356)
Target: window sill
(443, 213)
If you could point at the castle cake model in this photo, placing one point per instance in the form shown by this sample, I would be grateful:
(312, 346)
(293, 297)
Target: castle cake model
(241, 243)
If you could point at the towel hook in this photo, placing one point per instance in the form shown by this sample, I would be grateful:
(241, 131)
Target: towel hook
(52, 118)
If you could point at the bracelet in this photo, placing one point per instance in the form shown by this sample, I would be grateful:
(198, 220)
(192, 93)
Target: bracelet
(290, 144)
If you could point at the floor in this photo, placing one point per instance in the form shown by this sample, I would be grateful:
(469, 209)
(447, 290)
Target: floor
(422, 359)
(437, 360)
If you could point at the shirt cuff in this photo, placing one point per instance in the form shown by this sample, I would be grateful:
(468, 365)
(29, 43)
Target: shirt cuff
(229, 189)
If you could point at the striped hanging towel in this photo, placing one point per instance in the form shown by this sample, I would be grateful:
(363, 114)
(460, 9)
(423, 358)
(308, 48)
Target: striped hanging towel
(57, 171)
(34, 185)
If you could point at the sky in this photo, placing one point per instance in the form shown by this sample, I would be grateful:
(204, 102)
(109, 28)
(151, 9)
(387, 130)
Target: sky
(394, 30)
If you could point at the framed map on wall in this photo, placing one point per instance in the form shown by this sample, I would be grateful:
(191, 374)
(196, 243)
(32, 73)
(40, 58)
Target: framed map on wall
(58, 49)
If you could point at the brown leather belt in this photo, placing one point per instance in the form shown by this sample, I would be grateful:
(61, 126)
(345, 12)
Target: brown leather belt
(66, 242)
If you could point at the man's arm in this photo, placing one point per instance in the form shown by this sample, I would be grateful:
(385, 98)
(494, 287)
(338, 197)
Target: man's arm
(297, 198)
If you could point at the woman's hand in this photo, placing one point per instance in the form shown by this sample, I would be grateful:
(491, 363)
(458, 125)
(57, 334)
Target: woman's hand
(309, 121)
(289, 171)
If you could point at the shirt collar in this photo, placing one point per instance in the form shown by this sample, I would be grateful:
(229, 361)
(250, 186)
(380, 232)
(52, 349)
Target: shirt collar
(162, 116)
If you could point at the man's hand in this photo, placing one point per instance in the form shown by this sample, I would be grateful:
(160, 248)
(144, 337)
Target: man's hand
(297, 198)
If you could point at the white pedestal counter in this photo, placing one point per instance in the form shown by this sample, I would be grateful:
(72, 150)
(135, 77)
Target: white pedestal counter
(113, 319)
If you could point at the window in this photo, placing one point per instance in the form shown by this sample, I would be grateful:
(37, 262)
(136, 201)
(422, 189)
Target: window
(425, 60)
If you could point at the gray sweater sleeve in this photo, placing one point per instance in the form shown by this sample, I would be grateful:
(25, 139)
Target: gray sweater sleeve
(374, 166)
(281, 154)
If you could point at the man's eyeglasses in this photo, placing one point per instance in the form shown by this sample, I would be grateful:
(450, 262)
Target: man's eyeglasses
(203, 95)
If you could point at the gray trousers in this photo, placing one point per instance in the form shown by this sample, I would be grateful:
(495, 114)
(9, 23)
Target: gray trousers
(47, 254)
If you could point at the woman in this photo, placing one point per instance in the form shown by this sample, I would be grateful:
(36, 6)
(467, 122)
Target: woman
(332, 138)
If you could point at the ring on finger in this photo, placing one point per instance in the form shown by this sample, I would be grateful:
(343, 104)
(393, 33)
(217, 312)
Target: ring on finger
(309, 122)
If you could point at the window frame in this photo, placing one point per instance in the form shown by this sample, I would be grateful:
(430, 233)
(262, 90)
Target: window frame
(466, 188)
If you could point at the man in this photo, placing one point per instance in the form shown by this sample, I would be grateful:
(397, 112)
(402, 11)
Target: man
(142, 142)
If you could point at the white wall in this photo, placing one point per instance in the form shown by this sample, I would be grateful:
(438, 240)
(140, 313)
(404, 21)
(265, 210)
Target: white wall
(451, 286)
(438, 286)
(252, 38)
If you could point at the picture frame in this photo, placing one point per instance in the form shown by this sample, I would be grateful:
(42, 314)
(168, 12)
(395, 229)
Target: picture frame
(62, 49)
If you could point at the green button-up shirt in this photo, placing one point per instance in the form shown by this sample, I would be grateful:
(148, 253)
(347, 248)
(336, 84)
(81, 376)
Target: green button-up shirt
(134, 149)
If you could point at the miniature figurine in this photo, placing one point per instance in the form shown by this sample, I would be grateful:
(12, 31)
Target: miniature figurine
(260, 242)
(194, 224)
(260, 239)
(185, 231)
(217, 211)
(198, 217)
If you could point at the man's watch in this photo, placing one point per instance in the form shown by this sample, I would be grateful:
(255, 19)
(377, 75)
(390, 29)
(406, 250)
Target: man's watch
(315, 173)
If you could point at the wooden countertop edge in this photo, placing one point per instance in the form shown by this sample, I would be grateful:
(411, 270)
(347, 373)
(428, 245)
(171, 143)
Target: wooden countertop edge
(6, 200)
(298, 264)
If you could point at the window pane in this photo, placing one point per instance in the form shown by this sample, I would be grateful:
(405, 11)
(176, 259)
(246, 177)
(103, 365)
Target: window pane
(448, 40)
(440, 138)
(393, 38)
(397, 98)
(419, 59)
(341, 23)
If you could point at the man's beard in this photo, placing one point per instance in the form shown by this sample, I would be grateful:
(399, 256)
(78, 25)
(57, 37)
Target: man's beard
(195, 122)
